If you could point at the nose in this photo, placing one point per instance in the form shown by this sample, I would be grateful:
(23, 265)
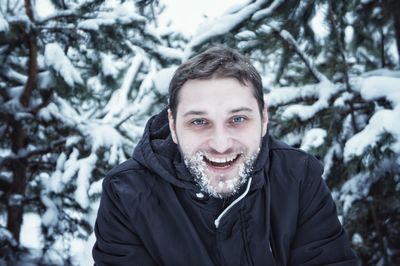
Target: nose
(220, 141)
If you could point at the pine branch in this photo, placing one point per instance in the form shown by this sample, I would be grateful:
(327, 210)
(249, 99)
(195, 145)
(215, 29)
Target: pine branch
(59, 15)
(339, 43)
(119, 98)
(33, 65)
(222, 25)
(379, 232)
(24, 155)
(46, 149)
(345, 69)
(288, 38)
(28, 9)
(123, 120)
(46, 97)
(396, 20)
(263, 13)
(66, 13)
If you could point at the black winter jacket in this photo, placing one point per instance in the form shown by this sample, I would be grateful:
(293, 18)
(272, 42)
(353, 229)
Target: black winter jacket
(152, 213)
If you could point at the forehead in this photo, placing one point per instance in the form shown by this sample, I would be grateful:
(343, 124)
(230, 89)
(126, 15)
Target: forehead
(208, 95)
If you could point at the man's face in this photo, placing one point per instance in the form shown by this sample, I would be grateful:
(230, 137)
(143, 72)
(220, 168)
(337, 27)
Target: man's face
(218, 128)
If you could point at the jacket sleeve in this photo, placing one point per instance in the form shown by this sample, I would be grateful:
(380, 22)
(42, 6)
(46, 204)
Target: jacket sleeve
(116, 242)
(320, 238)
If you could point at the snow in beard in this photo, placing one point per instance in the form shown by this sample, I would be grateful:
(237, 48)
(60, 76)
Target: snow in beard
(198, 168)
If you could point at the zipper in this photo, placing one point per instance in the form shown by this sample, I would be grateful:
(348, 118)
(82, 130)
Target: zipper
(218, 220)
(270, 249)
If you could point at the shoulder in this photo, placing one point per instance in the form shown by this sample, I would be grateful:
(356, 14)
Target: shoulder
(293, 163)
(128, 182)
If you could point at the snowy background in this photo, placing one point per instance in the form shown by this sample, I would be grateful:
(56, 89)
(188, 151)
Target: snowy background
(79, 79)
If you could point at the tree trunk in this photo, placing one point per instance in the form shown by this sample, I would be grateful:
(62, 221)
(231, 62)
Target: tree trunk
(19, 165)
(396, 20)
(15, 205)
(382, 47)
(32, 67)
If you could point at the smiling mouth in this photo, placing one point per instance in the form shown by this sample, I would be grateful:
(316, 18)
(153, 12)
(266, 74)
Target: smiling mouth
(221, 163)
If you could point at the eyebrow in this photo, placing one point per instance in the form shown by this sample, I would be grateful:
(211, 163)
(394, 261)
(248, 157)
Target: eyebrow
(194, 113)
(233, 111)
(241, 109)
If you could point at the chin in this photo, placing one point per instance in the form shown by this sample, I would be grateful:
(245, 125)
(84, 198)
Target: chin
(220, 179)
(223, 186)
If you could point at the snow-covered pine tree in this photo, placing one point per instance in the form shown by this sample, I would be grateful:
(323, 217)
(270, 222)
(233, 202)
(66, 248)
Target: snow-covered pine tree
(76, 89)
(346, 122)
(371, 30)
(125, 81)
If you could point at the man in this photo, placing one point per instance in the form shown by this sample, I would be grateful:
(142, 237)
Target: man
(207, 185)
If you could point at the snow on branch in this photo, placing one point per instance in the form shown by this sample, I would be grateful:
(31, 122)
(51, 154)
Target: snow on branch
(156, 47)
(117, 16)
(219, 26)
(376, 87)
(50, 217)
(60, 63)
(329, 158)
(383, 121)
(109, 67)
(99, 136)
(144, 99)
(323, 91)
(355, 188)
(119, 98)
(13, 75)
(236, 7)
(313, 139)
(359, 186)
(4, 27)
(30, 152)
(163, 78)
(302, 8)
(66, 169)
(84, 174)
(7, 237)
(382, 72)
(286, 95)
(62, 111)
(58, 15)
(263, 13)
(169, 53)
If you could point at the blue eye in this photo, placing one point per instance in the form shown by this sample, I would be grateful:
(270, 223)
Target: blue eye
(199, 122)
(238, 119)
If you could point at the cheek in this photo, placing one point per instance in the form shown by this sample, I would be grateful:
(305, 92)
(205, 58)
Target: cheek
(251, 137)
(188, 141)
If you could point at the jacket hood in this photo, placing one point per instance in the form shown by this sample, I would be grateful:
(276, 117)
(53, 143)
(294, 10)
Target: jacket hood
(157, 152)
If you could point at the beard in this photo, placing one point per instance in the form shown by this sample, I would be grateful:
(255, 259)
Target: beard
(219, 186)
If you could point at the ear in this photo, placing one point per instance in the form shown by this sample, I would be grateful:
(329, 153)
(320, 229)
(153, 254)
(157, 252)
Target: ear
(172, 128)
(264, 121)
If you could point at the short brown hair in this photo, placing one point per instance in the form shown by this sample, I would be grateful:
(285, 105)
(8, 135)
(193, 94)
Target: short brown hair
(216, 62)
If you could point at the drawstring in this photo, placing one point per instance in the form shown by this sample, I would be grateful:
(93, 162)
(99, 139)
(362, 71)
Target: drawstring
(217, 221)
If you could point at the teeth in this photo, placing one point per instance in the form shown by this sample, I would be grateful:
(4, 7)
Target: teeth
(222, 160)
